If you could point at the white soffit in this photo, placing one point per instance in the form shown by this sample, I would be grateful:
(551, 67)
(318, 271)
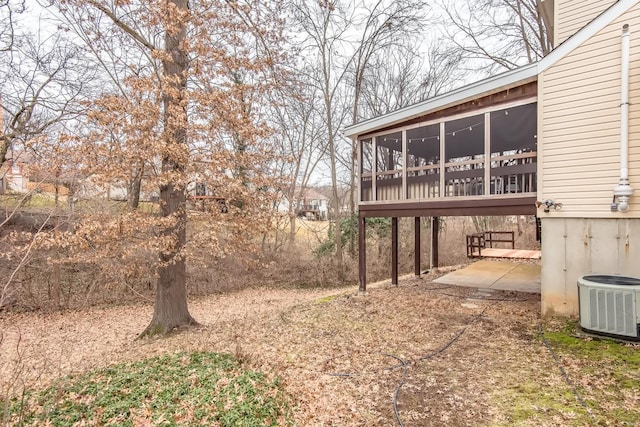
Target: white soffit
(493, 84)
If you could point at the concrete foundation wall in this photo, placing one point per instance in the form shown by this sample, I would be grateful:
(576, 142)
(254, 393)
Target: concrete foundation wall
(572, 247)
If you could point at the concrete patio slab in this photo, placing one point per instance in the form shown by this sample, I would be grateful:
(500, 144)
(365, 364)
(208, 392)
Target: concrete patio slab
(499, 275)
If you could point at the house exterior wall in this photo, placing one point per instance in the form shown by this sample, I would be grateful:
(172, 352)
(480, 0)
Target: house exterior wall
(573, 247)
(572, 15)
(579, 124)
(15, 178)
(579, 161)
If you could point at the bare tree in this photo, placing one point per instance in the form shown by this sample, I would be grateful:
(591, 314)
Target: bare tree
(301, 142)
(325, 24)
(506, 33)
(385, 26)
(43, 81)
(8, 10)
(398, 78)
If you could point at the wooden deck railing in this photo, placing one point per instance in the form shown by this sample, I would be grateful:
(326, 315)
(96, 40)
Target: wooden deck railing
(478, 241)
(499, 175)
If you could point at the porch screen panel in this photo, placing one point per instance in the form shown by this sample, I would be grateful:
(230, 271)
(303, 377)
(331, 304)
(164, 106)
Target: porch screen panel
(389, 167)
(464, 157)
(514, 150)
(366, 169)
(423, 162)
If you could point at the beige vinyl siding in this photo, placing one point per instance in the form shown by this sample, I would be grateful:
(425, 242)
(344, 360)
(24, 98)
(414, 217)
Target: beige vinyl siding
(609, 85)
(580, 121)
(572, 15)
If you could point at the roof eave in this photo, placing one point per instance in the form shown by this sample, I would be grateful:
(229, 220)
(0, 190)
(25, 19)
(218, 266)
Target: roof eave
(484, 87)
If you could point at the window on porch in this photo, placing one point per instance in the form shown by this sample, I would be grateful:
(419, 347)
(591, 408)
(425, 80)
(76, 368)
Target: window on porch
(514, 150)
(389, 166)
(464, 151)
(423, 162)
(491, 153)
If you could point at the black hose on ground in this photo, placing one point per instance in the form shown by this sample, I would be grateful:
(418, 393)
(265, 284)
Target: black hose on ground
(434, 354)
(397, 391)
(442, 349)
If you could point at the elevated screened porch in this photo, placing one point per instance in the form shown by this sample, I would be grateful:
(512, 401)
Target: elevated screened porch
(480, 155)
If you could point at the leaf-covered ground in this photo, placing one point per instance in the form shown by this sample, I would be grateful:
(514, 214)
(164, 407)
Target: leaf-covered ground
(419, 354)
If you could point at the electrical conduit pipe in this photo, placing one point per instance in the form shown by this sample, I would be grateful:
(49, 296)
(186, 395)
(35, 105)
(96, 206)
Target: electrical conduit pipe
(623, 190)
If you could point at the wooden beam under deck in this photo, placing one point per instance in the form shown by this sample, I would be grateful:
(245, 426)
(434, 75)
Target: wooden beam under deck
(493, 206)
(435, 232)
(416, 246)
(394, 251)
(362, 253)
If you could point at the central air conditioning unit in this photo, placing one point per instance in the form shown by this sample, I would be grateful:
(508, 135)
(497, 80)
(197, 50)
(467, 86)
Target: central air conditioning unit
(610, 306)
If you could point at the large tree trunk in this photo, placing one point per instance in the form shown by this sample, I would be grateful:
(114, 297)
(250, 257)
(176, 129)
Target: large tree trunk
(170, 310)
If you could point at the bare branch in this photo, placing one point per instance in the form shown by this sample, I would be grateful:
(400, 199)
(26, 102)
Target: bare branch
(122, 25)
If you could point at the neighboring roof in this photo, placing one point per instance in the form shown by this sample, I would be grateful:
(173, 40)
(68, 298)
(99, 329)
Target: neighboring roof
(21, 156)
(310, 193)
(509, 79)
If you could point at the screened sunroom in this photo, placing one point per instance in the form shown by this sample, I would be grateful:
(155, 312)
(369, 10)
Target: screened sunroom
(479, 155)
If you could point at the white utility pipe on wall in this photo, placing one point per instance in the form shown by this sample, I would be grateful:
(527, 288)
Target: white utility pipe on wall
(623, 190)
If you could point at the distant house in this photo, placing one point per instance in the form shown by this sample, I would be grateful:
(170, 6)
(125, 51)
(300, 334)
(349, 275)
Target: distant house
(313, 205)
(559, 139)
(310, 204)
(344, 193)
(14, 173)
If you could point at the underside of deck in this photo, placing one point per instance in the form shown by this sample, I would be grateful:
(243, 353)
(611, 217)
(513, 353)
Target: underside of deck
(484, 206)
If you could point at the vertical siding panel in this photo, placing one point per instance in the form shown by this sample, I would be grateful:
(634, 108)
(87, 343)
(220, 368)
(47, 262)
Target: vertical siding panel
(604, 246)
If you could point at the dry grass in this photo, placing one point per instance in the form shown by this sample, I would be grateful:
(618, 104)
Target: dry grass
(44, 285)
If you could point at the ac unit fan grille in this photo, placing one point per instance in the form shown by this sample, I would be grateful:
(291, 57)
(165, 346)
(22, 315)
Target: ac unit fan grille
(612, 311)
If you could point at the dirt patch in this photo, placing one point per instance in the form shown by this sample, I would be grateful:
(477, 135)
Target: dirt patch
(433, 355)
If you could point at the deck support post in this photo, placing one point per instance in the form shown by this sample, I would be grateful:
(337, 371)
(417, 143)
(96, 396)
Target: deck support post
(435, 230)
(394, 251)
(362, 253)
(417, 246)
